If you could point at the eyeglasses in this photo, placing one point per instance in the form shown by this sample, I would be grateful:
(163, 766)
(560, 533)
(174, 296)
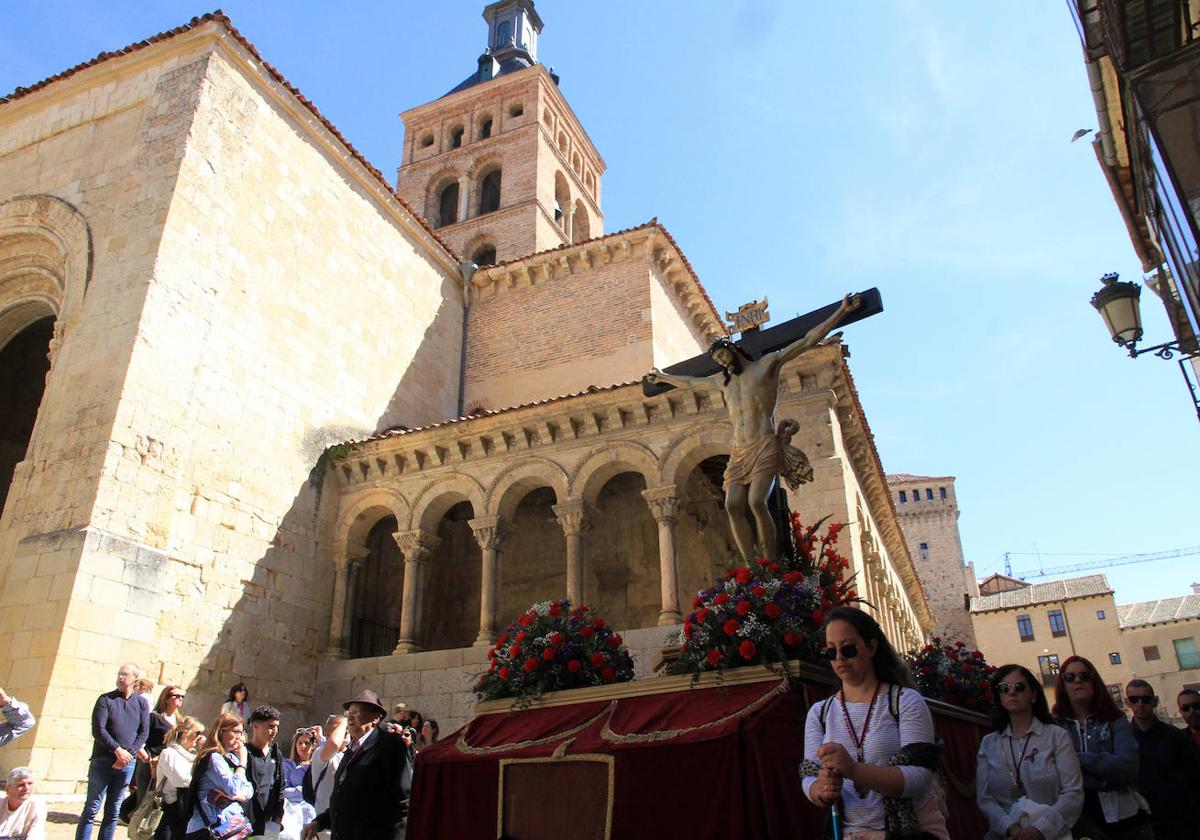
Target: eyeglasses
(1014, 687)
(831, 653)
(1071, 676)
(1134, 699)
(1189, 707)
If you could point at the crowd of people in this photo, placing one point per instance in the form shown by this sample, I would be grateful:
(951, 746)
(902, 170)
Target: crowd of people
(1078, 768)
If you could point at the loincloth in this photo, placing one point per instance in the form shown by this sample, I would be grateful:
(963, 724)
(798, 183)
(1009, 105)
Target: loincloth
(768, 455)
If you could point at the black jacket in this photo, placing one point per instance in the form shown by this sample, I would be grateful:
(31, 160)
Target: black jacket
(1169, 778)
(267, 802)
(370, 791)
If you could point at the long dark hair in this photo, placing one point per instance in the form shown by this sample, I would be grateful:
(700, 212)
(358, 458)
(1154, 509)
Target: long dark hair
(889, 667)
(1041, 709)
(242, 688)
(1103, 706)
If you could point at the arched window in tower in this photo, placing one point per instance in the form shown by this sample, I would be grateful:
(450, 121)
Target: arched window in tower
(562, 197)
(562, 142)
(485, 128)
(456, 137)
(484, 256)
(575, 162)
(503, 33)
(489, 192)
(580, 226)
(448, 204)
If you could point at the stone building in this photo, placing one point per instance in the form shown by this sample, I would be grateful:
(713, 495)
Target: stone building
(928, 511)
(179, 232)
(1040, 625)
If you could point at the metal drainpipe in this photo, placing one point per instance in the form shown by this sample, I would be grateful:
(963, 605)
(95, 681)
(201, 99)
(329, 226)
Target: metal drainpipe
(467, 270)
(1105, 132)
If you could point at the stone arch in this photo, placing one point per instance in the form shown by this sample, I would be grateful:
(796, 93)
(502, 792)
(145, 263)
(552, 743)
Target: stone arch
(45, 262)
(604, 462)
(436, 498)
(562, 197)
(581, 227)
(684, 453)
(361, 511)
(440, 181)
(481, 247)
(516, 482)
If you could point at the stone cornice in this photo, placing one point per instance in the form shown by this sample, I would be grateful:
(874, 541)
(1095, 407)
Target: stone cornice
(648, 242)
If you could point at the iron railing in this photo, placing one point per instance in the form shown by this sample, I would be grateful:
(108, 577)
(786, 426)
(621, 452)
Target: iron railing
(1137, 32)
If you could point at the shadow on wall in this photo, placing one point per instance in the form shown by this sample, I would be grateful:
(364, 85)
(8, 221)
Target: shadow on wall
(277, 627)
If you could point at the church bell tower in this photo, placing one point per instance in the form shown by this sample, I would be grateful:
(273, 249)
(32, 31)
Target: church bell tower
(500, 165)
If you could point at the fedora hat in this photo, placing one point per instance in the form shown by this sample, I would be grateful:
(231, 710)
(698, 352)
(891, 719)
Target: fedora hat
(367, 698)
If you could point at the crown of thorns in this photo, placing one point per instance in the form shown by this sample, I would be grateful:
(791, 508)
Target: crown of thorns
(728, 344)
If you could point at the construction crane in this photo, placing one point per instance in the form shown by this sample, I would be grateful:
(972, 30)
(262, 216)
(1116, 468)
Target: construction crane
(1126, 560)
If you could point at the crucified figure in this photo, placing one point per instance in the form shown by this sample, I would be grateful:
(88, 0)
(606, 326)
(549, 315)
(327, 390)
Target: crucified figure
(760, 451)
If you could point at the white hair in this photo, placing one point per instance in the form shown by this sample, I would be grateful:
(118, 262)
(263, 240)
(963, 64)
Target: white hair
(19, 773)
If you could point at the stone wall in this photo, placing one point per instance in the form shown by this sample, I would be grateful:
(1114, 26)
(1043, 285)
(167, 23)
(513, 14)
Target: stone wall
(256, 296)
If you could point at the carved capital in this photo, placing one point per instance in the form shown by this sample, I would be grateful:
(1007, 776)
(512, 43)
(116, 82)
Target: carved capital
(571, 517)
(489, 531)
(664, 503)
(416, 546)
(347, 554)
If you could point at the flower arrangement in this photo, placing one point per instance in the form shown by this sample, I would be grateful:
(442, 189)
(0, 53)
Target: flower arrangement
(953, 674)
(553, 646)
(770, 612)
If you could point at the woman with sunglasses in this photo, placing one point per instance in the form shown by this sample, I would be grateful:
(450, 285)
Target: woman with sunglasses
(873, 740)
(1108, 755)
(1027, 778)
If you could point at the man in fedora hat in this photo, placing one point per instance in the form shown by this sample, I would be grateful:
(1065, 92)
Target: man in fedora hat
(370, 789)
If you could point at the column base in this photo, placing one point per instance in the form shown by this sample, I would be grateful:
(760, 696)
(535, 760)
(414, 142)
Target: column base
(669, 617)
(486, 638)
(406, 646)
(334, 653)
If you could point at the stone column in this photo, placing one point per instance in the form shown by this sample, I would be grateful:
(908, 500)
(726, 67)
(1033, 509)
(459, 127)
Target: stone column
(417, 547)
(489, 533)
(464, 198)
(664, 506)
(567, 217)
(347, 559)
(570, 517)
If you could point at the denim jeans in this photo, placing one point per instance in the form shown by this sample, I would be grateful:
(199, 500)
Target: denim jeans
(104, 785)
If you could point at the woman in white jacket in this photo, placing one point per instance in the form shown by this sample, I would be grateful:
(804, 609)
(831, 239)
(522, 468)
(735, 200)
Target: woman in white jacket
(173, 774)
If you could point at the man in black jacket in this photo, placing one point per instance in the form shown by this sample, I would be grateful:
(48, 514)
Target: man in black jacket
(370, 790)
(264, 769)
(1168, 766)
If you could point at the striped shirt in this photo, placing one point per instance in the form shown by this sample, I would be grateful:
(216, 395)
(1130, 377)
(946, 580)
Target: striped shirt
(884, 739)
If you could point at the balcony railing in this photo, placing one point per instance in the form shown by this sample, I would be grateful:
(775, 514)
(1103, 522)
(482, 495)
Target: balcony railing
(1140, 31)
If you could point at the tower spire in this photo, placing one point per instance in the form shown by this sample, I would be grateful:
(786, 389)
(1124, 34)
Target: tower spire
(513, 29)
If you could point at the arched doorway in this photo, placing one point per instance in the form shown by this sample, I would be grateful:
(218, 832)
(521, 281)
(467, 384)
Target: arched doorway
(621, 548)
(378, 591)
(533, 561)
(451, 619)
(24, 363)
(704, 546)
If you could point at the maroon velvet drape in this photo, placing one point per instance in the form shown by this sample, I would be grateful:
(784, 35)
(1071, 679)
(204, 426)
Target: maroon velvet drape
(708, 762)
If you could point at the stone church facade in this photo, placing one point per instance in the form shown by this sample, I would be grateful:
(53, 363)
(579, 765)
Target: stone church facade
(222, 471)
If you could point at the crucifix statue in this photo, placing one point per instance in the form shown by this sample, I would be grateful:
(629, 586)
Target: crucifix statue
(749, 383)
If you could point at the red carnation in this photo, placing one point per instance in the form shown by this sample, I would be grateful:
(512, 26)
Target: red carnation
(597, 659)
(503, 672)
(791, 639)
(731, 627)
(950, 680)
(702, 615)
(968, 667)
(556, 639)
(774, 567)
(721, 599)
(742, 575)
(762, 561)
(614, 641)
(520, 637)
(772, 610)
(743, 607)
(549, 653)
(747, 649)
(515, 651)
(696, 603)
(492, 665)
(587, 632)
(818, 616)
(925, 669)
(574, 665)
(960, 643)
(687, 630)
(555, 612)
(714, 656)
(530, 665)
(503, 638)
(793, 577)
(978, 654)
(491, 653)
(525, 620)
(607, 673)
(597, 622)
(757, 590)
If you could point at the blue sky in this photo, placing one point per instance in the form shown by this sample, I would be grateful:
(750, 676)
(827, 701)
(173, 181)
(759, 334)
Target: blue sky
(805, 150)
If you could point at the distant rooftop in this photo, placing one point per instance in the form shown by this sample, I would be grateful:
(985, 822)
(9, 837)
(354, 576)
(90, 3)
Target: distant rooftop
(905, 478)
(1043, 593)
(1182, 608)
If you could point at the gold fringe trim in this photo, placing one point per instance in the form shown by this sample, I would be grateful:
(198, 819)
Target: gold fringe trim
(464, 747)
(607, 734)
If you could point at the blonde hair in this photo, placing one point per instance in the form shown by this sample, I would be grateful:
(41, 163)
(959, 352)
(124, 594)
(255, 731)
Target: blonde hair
(224, 721)
(186, 726)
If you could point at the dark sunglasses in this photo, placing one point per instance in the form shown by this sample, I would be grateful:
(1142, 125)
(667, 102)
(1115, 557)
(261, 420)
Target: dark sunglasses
(1190, 707)
(831, 653)
(1134, 699)
(1014, 687)
(1071, 676)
